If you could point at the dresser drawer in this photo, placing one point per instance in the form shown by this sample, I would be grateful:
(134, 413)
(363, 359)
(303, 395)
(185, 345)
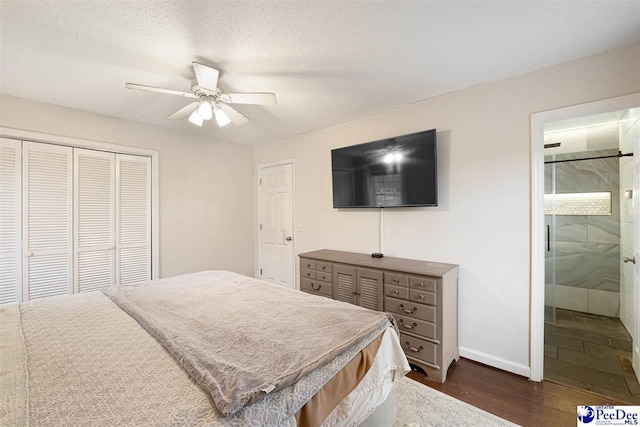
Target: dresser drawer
(396, 291)
(323, 266)
(395, 279)
(420, 349)
(411, 309)
(415, 326)
(325, 277)
(307, 263)
(305, 273)
(422, 296)
(316, 286)
(422, 283)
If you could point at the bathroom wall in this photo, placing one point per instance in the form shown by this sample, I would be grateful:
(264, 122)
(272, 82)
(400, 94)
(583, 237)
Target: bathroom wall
(629, 137)
(583, 260)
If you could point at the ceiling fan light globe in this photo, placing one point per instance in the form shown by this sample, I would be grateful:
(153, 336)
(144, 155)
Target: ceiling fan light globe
(222, 118)
(205, 110)
(196, 119)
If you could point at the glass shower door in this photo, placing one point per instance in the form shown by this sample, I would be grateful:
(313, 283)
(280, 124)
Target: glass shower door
(550, 247)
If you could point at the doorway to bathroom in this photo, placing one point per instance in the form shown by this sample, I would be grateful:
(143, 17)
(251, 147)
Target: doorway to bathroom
(589, 318)
(584, 300)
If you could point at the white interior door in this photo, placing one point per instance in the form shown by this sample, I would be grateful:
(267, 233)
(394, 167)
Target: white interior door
(94, 219)
(10, 219)
(636, 253)
(275, 231)
(133, 219)
(47, 193)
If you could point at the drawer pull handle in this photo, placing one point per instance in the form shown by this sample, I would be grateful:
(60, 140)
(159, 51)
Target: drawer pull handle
(413, 310)
(395, 291)
(421, 297)
(421, 285)
(408, 326)
(323, 277)
(308, 274)
(308, 265)
(395, 279)
(323, 267)
(415, 350)
(313, 286)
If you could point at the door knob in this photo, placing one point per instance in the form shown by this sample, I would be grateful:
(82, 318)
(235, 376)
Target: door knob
(632, 259)
(288, 238)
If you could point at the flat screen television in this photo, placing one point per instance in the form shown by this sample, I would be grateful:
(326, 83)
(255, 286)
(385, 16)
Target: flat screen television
(392, 172)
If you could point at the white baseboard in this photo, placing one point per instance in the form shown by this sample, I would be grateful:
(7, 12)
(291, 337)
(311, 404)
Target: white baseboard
(496, 362)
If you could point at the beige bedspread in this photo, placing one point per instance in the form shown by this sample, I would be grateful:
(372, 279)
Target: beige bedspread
(240, 338)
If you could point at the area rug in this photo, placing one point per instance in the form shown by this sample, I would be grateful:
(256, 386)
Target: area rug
(419, 405)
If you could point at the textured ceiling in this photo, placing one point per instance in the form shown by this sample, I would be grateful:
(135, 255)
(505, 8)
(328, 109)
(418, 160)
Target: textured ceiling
(328, 61)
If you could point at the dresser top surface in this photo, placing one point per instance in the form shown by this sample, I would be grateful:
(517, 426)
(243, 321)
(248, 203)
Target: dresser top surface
(426, 268)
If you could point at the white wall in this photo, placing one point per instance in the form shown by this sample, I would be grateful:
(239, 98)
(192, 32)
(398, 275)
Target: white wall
(483, 220)
(206, 187)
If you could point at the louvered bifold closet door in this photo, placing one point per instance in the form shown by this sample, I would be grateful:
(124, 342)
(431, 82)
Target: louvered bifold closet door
(10, 216)
(94, 219)
(47, 192)
(133, 218)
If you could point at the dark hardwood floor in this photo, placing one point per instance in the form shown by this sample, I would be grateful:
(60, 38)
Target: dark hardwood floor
(513, 397)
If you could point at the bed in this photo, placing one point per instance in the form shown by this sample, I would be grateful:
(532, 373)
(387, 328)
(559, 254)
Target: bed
(208, 348)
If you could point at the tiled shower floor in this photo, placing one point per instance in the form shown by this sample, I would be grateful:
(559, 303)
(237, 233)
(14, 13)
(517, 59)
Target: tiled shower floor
(582, 350)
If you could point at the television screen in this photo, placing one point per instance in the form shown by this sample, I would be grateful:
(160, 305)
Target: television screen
(393, 172)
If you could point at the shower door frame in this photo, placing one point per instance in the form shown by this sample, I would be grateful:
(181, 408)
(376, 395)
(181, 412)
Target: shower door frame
(537, 267)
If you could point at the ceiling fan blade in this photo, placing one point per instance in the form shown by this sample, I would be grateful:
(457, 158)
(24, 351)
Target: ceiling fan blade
(236, 117)
(257, 98)
(184, 111)
(159, 90)
(206, 76)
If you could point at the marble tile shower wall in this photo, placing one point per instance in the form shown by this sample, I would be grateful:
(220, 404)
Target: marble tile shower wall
(583, 263)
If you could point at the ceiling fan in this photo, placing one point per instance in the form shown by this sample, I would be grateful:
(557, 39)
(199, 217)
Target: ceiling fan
(211, 101)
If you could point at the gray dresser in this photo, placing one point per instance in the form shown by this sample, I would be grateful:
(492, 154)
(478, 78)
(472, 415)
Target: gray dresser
(422, 296)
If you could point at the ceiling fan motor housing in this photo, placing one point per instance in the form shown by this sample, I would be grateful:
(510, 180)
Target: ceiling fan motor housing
(200, 91)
